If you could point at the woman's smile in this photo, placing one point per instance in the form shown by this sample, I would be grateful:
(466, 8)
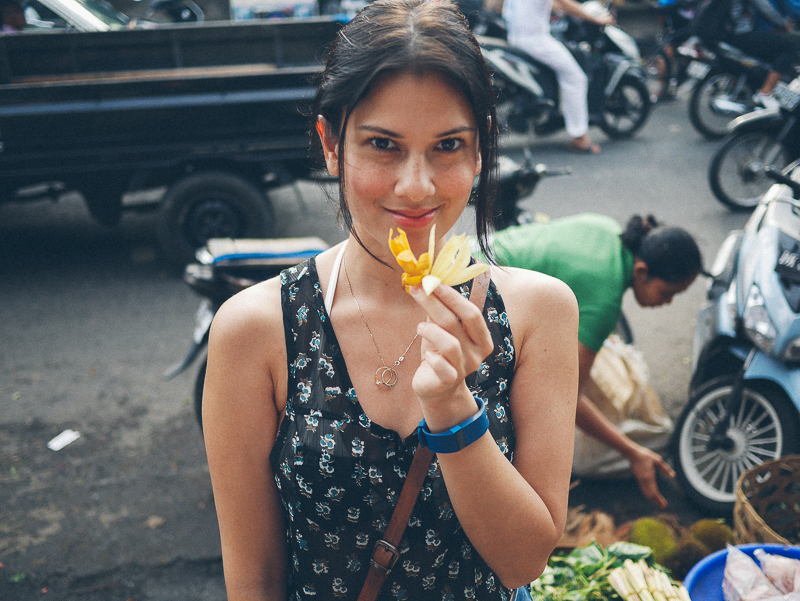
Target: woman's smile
(413, 218)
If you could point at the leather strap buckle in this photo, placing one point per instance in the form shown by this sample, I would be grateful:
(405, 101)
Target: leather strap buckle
(384, 556)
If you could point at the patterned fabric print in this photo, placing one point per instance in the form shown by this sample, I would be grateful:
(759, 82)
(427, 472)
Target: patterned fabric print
(340, 475)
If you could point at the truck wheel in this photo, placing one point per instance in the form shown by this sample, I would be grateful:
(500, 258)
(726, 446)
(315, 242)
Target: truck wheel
(210, 205)
(764, 428)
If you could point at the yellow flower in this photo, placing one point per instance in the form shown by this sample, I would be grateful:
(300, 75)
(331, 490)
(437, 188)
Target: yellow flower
(413, 269)
(451, 266)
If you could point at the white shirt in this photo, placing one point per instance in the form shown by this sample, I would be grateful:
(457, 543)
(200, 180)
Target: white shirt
(527, 17)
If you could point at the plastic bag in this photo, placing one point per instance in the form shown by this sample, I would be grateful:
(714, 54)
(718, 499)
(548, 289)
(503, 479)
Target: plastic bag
(783, 572)
(744, 580)
(619, 385)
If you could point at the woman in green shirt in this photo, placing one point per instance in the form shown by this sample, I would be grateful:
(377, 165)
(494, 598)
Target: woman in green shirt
(600, 260)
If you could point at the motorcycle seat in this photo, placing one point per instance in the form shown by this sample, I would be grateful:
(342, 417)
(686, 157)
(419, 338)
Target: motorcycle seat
(262, 251)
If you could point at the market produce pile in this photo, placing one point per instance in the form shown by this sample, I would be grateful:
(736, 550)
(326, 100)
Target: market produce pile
(620, 572)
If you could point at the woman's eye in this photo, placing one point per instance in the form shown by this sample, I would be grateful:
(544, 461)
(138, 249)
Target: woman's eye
(383, 143)
(450, 144)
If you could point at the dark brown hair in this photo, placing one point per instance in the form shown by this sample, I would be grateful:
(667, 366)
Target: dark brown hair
(671, 253)
(409, 36)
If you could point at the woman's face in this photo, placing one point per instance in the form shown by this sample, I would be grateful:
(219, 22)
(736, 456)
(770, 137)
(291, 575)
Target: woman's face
(655, 292)
(411, 156)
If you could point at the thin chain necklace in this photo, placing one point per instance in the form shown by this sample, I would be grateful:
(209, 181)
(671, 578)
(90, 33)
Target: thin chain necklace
(384, 375)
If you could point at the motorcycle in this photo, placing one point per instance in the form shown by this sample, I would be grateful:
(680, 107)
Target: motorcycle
(756, 140)
(728, 79)
(226, 266)
(528, 92)
(744, 405)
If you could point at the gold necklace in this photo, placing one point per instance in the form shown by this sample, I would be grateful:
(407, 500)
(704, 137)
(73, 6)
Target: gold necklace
(383, 375)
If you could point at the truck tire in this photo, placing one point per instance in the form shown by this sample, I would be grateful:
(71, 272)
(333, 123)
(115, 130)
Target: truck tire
(209, 205)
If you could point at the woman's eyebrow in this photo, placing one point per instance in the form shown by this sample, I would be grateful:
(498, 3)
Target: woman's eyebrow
(391, 134)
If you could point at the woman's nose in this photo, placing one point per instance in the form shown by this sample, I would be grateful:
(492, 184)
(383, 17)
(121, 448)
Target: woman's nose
(415, 179)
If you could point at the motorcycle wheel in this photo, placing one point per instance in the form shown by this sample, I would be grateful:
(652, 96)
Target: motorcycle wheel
(764, 428)
(199, 383)
(737, 174)
(626, 109)
(207, 205)
(705, 116)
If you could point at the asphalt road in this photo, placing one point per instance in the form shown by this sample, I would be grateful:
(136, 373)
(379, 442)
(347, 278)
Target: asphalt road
(90, 318)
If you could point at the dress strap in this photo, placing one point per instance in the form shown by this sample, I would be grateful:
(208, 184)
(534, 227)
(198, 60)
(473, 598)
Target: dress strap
(337, 264)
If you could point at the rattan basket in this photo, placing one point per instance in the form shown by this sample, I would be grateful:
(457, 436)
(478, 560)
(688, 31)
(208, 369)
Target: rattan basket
(767, 508)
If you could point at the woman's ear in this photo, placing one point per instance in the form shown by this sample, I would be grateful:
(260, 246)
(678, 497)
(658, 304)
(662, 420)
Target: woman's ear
(478, 164)
(640, 271)
(330, 146)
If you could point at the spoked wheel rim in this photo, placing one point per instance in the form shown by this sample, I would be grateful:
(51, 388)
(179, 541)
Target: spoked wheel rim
(741, 175)
(626, 109)
(718, 88)
(755, 436)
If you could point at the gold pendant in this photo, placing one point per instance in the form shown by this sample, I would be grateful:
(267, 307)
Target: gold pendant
(386, 376)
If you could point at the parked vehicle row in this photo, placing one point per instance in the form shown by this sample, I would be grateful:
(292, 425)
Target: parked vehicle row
(744, 405)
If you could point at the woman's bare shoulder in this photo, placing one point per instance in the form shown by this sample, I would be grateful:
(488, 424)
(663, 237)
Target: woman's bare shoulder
(536, 303)
(253, 311)
(525, 286)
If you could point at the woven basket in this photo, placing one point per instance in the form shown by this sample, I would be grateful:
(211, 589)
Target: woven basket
(767, 508)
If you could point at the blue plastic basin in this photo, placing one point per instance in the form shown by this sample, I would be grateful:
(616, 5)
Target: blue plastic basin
(704, 581)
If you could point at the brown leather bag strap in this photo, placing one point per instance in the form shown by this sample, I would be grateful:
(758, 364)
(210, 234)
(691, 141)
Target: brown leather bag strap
(386, 550)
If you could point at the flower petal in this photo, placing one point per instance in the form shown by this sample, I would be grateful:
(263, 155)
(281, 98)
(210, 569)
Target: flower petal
(467, 274)
(430, 283)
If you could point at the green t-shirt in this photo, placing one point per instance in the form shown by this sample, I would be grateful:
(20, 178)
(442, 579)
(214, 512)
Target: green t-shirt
(585, 252)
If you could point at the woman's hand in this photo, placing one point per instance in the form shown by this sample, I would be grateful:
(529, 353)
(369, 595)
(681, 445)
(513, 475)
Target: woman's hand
(644, 464)
(454, 342)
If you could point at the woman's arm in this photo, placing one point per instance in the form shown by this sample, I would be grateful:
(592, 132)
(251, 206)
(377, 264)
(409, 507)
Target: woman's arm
(514, 515)
(644, 462)
(240, 421)
(571, 7)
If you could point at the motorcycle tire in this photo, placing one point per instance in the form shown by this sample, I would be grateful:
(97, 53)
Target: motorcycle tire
(211, 204)
(736, 173)
(708, 120)
(199, 383)
(764, 428)
(627, 108)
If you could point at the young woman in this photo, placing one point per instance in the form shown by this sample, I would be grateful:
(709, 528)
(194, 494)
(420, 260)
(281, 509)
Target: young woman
(600, 261)
(317, 380)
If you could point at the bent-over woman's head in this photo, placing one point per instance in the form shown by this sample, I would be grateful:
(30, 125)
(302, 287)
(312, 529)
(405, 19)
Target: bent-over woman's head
(666, 259)
(409, 36)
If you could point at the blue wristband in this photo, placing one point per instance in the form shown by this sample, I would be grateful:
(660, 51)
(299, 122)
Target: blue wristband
(457, 437)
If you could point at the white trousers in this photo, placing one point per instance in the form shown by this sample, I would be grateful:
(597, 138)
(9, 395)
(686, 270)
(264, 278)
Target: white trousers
(572, 81)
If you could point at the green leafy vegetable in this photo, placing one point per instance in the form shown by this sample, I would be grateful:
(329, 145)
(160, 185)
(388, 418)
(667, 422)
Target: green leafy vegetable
(582, 573)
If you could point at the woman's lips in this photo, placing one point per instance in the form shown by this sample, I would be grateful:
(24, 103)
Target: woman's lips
(413, 220)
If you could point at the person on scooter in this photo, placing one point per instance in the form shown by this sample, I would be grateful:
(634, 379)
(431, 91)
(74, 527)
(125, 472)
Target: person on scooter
(740, 24)
(600, 260)
(529, 28)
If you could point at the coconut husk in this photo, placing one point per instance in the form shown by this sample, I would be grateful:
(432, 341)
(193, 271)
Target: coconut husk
(584, 527)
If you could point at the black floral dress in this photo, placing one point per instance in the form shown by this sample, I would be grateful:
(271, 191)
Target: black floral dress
(340, 475)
